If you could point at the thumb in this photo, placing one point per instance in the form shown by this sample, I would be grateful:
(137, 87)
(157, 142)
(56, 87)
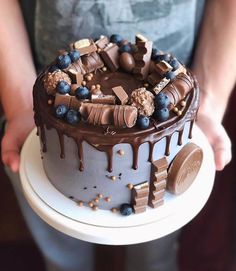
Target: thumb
(10, 152)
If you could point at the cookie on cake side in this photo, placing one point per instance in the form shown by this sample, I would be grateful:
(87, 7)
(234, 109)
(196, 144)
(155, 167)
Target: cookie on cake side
(115, 120)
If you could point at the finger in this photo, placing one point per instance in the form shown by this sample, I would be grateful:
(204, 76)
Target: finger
(10, 152)
(222, 150)
(11, 159)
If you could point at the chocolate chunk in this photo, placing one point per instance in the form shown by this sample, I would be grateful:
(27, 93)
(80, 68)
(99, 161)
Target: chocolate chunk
(103, 99)
(92, 62)
(121, 95)
(76, 77)
(73, 88)
(85, 46)
(110, 56)
(184, 168)
(77, 67)
(62, 99)
(127, 62)
(154, 78)
(102, 42)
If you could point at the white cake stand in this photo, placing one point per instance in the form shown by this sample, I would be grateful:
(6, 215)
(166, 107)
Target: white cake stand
(105, 227)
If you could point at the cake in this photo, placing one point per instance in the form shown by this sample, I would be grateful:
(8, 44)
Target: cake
(115, 123)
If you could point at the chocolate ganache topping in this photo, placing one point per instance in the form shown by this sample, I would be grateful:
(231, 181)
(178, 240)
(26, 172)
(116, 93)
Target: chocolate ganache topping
(110, 91)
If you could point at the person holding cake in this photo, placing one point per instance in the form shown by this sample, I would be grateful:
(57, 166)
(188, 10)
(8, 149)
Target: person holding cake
(57, 24)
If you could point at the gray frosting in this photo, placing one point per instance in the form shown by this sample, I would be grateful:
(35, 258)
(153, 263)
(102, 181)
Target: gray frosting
(64, 173)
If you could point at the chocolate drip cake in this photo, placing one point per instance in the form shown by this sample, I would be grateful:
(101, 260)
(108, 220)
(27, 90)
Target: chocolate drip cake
(115, 120)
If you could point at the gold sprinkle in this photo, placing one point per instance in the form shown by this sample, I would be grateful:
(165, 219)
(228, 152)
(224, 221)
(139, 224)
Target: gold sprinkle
(100, 196)
(89, 78)
(95, 207)
(130, 186)
(83, 83)
(176, 109)
(104, 69)
(179, 113)
(121, 152)
(113, 178)
(91, 204)
(108, 199)
(80, 203)
(49, 102)
(114, 210)
(183, 103)
(96, 200)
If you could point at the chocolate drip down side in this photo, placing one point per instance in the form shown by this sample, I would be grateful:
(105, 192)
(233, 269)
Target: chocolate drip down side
(96, 136)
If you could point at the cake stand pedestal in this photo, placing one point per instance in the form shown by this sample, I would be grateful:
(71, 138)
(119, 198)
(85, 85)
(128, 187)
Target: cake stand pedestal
(105, 227)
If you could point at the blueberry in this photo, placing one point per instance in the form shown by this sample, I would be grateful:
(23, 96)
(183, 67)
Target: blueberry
(82, 93)
(126, 209)
(161, 114)
(63, 61)
(175, 64)
(53, 68)
(143, 122)
(72, 116)
(155, 52)
(125, 48)
(115, 38)
(161, 100)
(161, 57)
(74, 55)
(61, 111)
(63, 87)
(170, 75)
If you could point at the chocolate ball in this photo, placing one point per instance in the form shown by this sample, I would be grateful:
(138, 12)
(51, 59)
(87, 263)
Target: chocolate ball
(127, 61)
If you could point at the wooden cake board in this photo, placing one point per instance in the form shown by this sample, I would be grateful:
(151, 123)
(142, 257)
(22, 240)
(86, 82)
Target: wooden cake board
(105, 227)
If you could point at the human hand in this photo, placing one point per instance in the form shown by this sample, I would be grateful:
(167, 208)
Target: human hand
(210, 123)
(17, 131)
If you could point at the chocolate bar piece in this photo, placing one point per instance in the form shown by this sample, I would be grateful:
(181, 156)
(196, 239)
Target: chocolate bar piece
(103, 99)
(162, 67)
(105, 114)
(181, 69)
(121, 94)
(157, 182)
(142, 57)
(102, 42)
(70, 101)
(75, 76)
(110, 56)
(178, 89)
(92, 62)
(140, 193)
(160, 86)
(85, 46)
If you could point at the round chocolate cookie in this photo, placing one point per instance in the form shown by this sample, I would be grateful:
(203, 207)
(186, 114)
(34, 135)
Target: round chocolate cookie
(184, 168)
